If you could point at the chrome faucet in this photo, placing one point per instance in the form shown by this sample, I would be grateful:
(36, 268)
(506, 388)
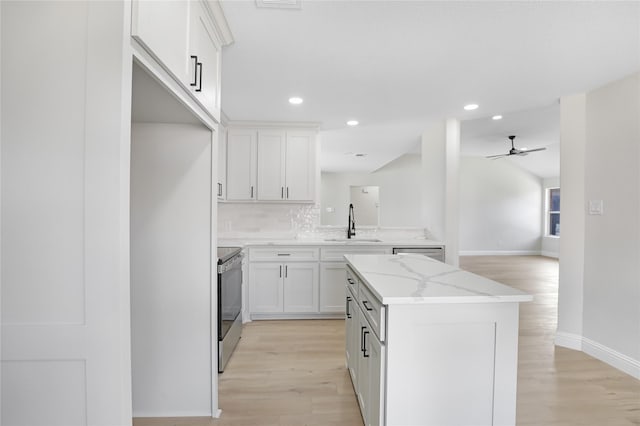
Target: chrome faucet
(351, 226)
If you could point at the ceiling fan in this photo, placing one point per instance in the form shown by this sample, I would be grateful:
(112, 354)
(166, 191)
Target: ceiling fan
(515, 151)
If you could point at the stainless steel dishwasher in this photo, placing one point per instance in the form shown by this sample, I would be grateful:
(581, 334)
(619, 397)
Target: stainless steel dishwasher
(436, 253)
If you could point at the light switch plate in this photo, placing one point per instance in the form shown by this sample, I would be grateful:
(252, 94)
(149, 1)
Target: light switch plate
(595, 207)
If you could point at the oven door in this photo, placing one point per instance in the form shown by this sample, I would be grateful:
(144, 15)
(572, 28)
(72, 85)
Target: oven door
(229, 294)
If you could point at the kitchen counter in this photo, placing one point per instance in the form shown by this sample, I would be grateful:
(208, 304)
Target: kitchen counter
(415, 279)
(307, 241)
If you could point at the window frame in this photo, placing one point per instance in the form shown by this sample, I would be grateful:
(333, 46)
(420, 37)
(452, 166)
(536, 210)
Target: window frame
(549, 212)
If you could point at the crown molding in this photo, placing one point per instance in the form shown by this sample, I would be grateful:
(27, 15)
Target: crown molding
(222, 26)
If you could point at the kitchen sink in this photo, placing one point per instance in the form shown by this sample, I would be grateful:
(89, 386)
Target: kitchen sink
(355, 240)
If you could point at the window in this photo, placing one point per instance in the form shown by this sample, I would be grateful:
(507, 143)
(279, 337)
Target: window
(553, 212)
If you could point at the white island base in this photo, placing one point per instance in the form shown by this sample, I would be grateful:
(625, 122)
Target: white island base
(433, 345)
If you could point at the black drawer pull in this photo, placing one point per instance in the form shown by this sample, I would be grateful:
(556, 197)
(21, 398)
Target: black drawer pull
(284, 254)
(364, 349)
(199, 65)
(365, 303)
(362, 338)
(195, 71)
(348, 300)
(350, 281)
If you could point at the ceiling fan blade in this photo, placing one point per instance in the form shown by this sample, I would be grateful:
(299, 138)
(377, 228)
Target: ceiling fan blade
(493, 157)
(533, 150)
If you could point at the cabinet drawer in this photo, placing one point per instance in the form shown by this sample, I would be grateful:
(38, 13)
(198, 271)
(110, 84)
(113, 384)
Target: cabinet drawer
(373, 310)
(352, 281)
(283, 254)
(337, 253)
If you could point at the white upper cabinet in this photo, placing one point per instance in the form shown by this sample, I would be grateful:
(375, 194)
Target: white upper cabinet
(286, 165)
(204, 59)
(271, 165)
(162, 27)
(222, 163)
(185, 38)
(300, 166)
(241, 164)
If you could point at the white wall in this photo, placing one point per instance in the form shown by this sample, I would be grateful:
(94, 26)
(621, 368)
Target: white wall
(612, 241)
(400, 184)
(170, 270)
(550, 245)
(599, 294)
(500, 207)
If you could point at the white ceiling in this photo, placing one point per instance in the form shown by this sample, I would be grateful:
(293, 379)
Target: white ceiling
(397, 65)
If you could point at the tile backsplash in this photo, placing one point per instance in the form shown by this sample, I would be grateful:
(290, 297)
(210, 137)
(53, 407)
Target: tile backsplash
(294, 221)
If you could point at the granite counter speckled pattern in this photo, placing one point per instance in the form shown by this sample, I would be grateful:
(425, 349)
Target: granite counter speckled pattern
(415, 279)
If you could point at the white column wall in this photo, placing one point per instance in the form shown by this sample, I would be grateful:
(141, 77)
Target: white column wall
(572, 155)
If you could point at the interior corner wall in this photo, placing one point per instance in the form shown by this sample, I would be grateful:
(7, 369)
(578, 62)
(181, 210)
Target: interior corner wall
(500, 206)
(612, 240)
(433, 178)
(171, 329)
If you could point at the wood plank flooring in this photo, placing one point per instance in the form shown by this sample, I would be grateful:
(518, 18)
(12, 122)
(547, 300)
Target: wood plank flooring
(293, 373)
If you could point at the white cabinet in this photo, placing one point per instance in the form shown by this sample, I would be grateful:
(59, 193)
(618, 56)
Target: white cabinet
(183, 38)
(222, 163)
(162, 27)
(352, 324)
(241, 164)
(286, 165)
(300, 166)
(283, 287)
(271, 164)
(332, 294)
(204, 55)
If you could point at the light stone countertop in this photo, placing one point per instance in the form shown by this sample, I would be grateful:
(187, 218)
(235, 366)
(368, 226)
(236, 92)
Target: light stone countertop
(235, 242)
(416, 279)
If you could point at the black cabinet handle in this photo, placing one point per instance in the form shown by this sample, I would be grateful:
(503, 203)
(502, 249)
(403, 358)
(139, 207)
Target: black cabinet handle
(364, 340)
(348, 300)
(219, 189)
(282, 192)
(251, 192)
(286, 271)
(287, 192)
(350, 281)
(284, 254)
(195, 71)
(199, 65)
(365, 303)
(280, 271)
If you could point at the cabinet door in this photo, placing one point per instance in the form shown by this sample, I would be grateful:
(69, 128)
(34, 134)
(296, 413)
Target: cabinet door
(222, 163)
(301, 287)
(362, 390)
(162, 27)
(271, 158)
(333, 277)
(352, 325)
(266, 287)
(376, 365)
(241, 164)
(300, 166)
(204, 60)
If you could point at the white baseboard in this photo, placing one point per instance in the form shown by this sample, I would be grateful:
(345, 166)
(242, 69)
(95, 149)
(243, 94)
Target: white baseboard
(499, 253)
(614, 358)
(172, 414)
(217, 413)
(569, 340)
(603, 353)
(553, 254)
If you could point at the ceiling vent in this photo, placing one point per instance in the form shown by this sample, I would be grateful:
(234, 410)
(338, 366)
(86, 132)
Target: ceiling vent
(279, 4)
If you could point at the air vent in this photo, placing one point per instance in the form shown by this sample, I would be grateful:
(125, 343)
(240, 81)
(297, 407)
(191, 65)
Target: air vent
(280, 4)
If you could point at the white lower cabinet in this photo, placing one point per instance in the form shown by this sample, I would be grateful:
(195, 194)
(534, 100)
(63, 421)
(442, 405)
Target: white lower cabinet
(283, 287)
(332, 278)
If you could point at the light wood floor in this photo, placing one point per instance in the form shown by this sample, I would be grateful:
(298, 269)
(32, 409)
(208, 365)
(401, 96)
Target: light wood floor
(292, 372)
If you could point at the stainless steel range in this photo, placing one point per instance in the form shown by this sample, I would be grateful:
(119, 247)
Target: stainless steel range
(229, 302)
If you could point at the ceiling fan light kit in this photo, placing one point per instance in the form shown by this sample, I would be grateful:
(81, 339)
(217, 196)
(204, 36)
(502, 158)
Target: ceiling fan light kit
(515, 151)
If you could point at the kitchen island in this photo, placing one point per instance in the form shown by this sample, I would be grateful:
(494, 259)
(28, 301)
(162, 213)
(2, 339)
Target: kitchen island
(430, 344)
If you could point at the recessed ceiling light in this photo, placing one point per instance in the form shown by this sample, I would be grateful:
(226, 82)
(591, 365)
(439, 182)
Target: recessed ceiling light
(471, 107)
(295, 100)
(360, 155)
(496, 117)
(352, 123)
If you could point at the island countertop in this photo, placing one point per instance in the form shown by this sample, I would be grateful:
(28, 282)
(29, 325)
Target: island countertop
(416, 279)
